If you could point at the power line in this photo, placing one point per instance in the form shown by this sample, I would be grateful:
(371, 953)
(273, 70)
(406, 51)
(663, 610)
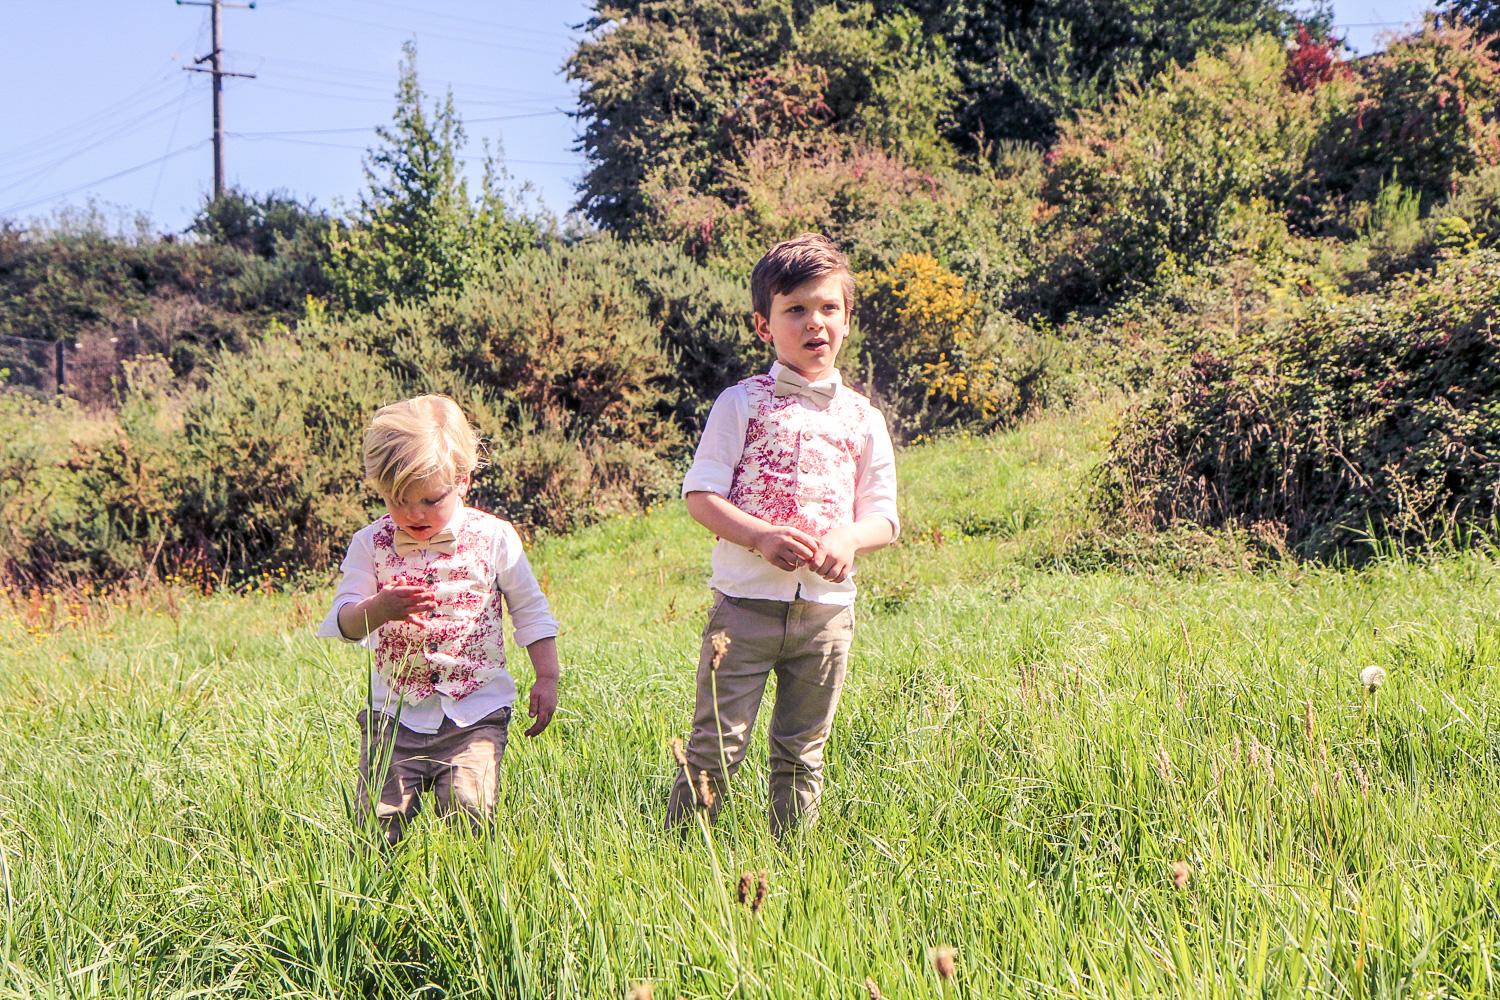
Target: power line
(156, 188)
(129, 170)
(367, 23)
(130, 126)
(253, 137)
(371, 128)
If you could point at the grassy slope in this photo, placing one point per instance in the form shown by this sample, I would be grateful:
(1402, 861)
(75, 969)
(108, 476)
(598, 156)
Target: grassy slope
(1021, 753)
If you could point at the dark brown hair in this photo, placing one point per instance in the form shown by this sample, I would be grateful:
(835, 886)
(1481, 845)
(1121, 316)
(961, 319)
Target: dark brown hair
(794, 262)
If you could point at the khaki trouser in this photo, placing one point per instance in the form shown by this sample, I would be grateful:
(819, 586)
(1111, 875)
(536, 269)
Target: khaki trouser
(807, 646)
(460, 766)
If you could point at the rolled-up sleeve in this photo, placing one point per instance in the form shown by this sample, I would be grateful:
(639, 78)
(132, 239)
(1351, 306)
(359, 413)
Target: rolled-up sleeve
(357, 584)
(530, 615)
(721, 445)
(875, 487)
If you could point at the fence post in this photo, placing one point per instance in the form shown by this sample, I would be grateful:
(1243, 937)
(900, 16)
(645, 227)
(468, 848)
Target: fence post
(62, 366)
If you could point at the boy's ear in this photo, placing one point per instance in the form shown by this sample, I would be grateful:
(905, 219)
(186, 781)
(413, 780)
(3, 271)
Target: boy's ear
(763, 328)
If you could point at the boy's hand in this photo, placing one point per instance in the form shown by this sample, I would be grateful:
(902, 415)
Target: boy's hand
(402, 604)
(834, 559)
(543, 701)
(542, 704)
(785, 547)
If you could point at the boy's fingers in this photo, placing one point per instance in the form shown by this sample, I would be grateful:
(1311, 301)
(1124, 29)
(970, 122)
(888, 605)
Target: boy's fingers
(542, 721)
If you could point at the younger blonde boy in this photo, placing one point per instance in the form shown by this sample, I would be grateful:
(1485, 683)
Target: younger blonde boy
(796, 476)
(423, 587)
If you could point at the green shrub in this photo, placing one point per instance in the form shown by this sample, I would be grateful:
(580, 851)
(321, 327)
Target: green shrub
(1372, 415)
(1159, 175)
(1424, 113)
(933, 358)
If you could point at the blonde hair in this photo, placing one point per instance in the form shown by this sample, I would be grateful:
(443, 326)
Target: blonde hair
(420, 440)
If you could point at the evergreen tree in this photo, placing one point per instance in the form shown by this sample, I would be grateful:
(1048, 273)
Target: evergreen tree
(417, 231)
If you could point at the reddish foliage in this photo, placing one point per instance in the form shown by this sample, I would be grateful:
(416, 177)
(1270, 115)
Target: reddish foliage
(1312, 62)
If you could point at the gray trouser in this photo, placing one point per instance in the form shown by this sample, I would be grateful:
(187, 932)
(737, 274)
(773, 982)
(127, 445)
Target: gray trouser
(807, 646)
(460, 766)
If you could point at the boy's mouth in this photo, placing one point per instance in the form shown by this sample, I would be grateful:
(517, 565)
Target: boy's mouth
(816, 344)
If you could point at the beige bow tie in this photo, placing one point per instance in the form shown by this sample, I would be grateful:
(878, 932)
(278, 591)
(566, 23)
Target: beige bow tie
(789, 383)
(442, 542)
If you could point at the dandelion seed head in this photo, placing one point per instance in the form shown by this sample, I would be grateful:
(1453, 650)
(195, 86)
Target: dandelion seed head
(1372, 677)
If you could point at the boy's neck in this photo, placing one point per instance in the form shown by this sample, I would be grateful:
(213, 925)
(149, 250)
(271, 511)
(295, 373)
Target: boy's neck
(824, 374)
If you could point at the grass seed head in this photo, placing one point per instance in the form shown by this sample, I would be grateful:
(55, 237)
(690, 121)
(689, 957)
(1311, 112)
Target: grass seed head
(1362, 778)
(872, 989)
(643, 990)
(1180, 874)
(705, 791)
(1163, 764)
(678, 754)
(1372, 677)
(762, 886)
(1308, 721)
(746, 881)
(720, 641)
(943, 961)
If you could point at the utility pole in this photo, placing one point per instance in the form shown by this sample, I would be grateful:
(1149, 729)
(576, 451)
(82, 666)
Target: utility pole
(216, 63)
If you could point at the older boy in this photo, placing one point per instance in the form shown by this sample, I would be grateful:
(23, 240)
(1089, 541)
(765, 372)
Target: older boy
(422, 587)
(795, 474)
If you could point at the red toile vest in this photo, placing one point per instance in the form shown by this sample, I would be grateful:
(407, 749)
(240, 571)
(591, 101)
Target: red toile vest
(798, 467)
(461, 644)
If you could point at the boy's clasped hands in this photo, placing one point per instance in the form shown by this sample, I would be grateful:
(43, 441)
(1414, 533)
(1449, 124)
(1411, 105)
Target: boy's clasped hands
(788, 548)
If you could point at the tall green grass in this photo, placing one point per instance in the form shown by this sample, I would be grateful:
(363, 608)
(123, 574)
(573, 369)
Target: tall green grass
(1022, 754)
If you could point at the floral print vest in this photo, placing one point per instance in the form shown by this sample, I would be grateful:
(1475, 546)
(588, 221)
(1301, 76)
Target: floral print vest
(461, 644)
(798, 465)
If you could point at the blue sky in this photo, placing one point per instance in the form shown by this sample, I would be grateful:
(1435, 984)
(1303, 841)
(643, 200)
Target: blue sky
(97, 103)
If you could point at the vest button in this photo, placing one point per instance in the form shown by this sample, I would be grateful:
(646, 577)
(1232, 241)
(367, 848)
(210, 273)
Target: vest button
(807, 435)
(434, 677)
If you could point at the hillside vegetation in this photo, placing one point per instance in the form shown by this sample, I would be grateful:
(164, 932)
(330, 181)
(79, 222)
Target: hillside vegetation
(1088, 784)
(1202, 207)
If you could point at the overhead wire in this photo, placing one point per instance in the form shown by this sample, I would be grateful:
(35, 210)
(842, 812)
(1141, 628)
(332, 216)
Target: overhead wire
(88, 184)
(367, 23)
(156, 188)
(135, 124)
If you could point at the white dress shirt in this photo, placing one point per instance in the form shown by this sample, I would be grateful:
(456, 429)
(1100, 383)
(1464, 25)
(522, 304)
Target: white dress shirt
(529, 615)
(739, 572)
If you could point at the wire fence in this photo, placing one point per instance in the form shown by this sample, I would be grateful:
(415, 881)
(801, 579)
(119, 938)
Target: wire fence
(35, 367)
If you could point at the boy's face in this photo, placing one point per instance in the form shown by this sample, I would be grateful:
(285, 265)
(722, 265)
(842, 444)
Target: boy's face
(427, 507)
(807, 326)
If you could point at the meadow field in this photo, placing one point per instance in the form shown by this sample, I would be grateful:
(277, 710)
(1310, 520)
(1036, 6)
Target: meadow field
(1085, 780)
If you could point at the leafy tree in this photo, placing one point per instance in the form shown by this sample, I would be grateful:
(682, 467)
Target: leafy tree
(417, 231)
(677, 96)
(260, 225)
(1481, 15)
(1026, 64)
